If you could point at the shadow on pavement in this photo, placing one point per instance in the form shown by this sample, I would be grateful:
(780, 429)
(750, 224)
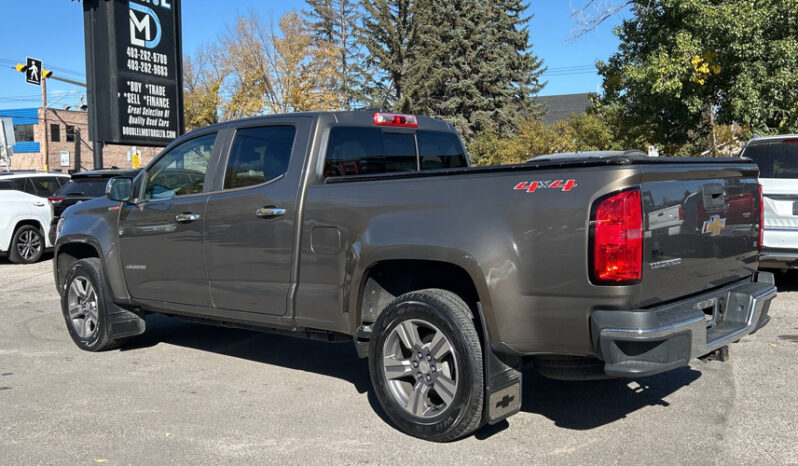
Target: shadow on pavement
(337, 360)
(332, 359)
(587, 405)
(571, 405)
(786, 281)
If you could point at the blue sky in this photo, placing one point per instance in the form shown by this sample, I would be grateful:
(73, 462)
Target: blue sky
(52, 30)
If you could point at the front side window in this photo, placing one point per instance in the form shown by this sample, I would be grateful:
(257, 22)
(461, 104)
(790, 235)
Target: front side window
(258, 155)
(70, 133)
(181, 171)
(55, 133)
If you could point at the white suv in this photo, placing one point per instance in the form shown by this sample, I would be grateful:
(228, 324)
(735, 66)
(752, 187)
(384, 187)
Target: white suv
(25, 214)
(777, 157)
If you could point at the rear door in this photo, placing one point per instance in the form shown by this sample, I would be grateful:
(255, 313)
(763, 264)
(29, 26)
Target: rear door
(251, 220)
(161, 237)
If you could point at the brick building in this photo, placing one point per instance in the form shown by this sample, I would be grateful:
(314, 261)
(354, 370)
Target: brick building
(67, 133)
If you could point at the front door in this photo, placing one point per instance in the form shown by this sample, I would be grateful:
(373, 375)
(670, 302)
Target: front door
(161, 236)
(250, 224)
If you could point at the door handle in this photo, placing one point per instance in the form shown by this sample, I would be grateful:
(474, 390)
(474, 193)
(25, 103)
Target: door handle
(187, 217)
(38, 204)
(269, 212)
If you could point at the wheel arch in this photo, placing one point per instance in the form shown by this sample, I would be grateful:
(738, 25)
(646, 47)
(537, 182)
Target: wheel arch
(383, 280)
(67, 253)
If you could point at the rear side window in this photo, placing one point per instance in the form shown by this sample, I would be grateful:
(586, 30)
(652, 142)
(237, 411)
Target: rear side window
(83, 187)
(16, 184)
(259, 155)
(778, 160)
(368, 151)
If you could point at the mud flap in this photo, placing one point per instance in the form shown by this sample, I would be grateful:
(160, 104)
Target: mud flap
(123, 323)
(502, 380)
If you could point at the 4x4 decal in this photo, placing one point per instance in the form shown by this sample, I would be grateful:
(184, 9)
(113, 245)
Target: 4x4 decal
(532, 186)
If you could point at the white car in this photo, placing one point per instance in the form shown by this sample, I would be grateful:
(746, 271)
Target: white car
(25, 214)
(777, 157)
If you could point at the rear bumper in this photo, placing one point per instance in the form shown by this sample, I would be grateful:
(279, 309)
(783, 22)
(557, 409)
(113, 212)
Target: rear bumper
(643, 342)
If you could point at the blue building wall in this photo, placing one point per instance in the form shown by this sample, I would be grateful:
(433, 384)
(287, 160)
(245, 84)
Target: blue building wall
(23, 116)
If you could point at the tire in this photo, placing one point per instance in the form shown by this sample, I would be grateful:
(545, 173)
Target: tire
(27, 245)
(439, 396)
(84, 303)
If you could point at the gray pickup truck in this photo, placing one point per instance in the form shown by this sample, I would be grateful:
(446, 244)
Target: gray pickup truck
(373, 228)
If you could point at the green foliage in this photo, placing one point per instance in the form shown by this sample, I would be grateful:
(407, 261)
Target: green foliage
(466, 61)
(582, 132)
(686, 66)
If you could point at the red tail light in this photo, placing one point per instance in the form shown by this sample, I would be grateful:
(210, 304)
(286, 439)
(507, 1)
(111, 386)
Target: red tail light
(395, 119)
(55, 200)
(761, 218)
(617, 239)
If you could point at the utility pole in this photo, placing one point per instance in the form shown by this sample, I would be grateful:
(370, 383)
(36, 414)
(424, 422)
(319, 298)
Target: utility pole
(44, 122)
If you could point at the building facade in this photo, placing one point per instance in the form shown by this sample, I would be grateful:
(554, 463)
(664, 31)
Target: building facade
(68, 145)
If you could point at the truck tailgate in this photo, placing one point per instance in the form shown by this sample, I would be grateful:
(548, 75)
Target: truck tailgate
(701, 229)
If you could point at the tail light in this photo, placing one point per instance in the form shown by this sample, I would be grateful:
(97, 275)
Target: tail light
(395, 119)
(761, 219)
(55, 200)
(617, 239)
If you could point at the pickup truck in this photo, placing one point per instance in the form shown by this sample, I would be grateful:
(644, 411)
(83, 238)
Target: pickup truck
(373, 228)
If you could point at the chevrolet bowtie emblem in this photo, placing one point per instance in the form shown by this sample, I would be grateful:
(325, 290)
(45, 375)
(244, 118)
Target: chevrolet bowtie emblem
(714, 225)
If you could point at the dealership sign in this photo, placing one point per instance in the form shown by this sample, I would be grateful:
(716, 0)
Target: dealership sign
(134, 71)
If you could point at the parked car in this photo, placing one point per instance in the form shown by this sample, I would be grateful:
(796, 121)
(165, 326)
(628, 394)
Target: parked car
(82, 187)
(25, 215)
(373, 228)
(777, 158)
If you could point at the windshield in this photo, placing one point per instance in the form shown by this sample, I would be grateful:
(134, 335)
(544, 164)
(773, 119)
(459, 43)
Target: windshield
(776, 160)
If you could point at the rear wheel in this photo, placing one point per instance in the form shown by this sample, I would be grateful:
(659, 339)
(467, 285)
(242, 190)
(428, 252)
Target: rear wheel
(27, 245)
(426, 365)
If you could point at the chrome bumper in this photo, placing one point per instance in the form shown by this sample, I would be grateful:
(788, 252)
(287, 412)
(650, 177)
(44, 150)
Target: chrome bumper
(649, 341)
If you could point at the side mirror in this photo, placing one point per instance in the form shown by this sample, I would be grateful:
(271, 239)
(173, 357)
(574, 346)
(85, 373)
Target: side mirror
(119, 188)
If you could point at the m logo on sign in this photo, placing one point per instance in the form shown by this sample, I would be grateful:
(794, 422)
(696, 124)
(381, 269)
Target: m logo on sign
(145, 28)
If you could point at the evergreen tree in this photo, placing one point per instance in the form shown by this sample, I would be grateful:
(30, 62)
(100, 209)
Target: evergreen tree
(333, 23)
(470, 64)
(387, 35)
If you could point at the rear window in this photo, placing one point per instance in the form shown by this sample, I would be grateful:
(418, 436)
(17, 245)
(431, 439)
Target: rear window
(777, 160)
(45, 185)
(368, 151)
(83, 187)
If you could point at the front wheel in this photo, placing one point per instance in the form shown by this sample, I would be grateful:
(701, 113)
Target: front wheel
(84, 303)
(425, 361)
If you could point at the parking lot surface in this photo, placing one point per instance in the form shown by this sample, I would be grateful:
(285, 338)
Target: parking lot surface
(188, 394)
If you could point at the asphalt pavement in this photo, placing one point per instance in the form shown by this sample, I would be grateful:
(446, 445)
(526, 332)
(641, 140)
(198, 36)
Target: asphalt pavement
(183, 393)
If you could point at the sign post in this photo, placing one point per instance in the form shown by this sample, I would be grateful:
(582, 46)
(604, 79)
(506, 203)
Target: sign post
(134, 71)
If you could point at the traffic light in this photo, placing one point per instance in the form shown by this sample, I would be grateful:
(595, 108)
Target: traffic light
(21, 68)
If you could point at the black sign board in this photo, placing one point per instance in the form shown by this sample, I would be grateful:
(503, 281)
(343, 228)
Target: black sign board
(33, 71)
(134, 71)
